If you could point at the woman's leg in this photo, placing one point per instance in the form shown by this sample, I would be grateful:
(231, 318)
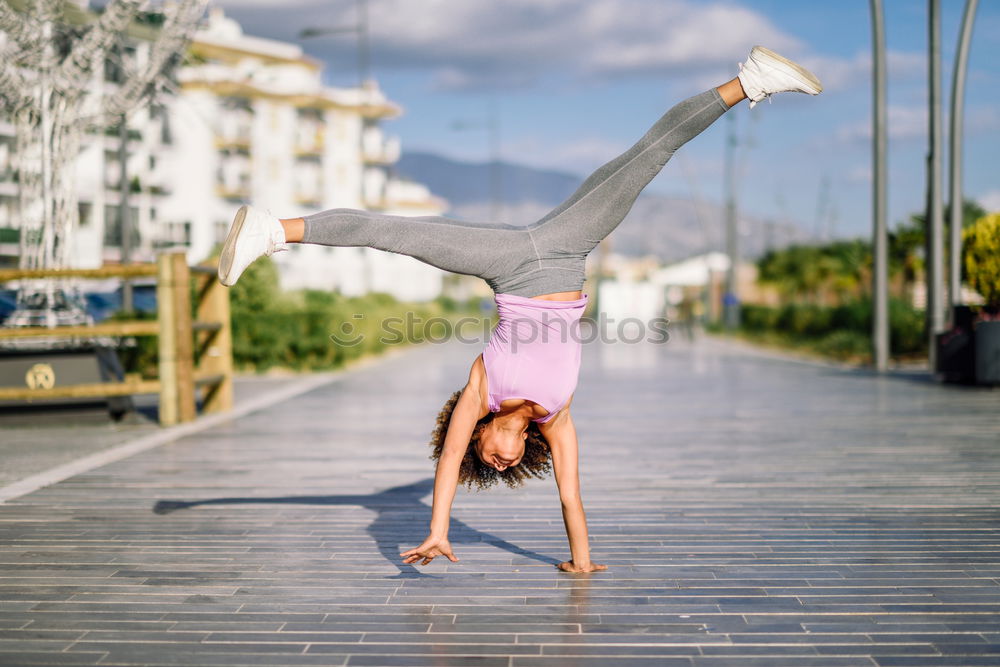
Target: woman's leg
(488, 251)
(600, 204)
(484, 250)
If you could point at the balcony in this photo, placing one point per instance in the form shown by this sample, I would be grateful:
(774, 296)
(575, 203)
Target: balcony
(238, 192)
(239, 141)
(313, 199)
(377, 149)
(309, 142)
(235, 131)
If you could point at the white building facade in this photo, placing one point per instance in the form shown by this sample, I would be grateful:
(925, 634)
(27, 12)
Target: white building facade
(250, 121)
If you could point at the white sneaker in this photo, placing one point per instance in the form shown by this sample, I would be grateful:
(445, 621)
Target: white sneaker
(254, 233)
(765, 73)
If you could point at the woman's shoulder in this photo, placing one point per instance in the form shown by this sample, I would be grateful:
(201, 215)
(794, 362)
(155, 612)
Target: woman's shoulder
(477, 385)
(477, 374)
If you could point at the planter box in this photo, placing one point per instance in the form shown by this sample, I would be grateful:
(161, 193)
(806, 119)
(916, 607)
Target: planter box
(987, 335)
(956, 357)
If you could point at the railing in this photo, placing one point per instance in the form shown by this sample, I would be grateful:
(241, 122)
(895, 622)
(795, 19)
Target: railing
(193, 352)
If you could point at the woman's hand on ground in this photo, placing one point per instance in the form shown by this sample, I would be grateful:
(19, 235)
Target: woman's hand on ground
(570, 566)
(429, 550)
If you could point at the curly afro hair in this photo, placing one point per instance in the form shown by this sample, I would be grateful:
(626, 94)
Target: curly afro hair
(536, 462)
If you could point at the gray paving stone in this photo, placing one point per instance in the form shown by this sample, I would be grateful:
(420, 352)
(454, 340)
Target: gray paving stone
(42, 657)
(611, 652)
(753, 511)
(877, 649)
(422, 661)
(936, 661)
(601, 661)
(770, 650)
(425, 649)
(783, 661)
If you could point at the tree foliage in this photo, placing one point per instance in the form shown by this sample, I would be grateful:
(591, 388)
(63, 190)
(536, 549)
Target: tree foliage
(982, 257)
(312, 329)
(814, 273)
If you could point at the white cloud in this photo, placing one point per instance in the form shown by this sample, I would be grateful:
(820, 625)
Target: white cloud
(982, 119)
(904, 123)
(840, 73)
(908, 122)
(990, 201)
(859, 174)
(581, 155)
(470, 44)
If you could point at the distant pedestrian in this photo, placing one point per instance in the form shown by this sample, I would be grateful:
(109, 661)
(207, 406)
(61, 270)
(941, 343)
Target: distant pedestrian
(512, 419)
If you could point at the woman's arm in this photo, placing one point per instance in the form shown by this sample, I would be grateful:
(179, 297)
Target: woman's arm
(561, 436)
(468, 411)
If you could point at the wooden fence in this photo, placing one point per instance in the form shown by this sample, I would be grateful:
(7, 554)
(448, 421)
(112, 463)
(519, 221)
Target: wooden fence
(193, 351)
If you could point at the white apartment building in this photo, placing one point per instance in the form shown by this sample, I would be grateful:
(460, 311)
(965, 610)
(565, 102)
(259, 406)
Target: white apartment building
(250, 121)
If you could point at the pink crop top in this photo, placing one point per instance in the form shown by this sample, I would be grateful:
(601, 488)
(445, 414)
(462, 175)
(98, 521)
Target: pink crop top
(534, 352)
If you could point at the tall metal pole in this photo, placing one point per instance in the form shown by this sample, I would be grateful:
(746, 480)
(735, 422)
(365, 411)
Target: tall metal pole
(955, 153)
(731, 306)
(124, 214)
(935, 214)
(880, 253)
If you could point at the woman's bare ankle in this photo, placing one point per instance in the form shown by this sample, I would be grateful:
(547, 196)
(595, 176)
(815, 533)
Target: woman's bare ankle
(732, 92)
(295, 229)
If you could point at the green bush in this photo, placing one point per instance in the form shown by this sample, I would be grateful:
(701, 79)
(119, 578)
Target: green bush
(844, 344)
(906, 328)
(137, 354)
(842, 331)
(758, 318)
(803, 319)
(982, 257)
(307, 329)
(855, 315)
(315, 330)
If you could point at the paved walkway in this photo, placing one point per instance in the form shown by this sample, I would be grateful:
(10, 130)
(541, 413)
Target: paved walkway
(34, 440)
(753, 511)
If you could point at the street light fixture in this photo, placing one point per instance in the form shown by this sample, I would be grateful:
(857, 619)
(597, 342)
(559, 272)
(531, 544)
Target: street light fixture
(360, 29)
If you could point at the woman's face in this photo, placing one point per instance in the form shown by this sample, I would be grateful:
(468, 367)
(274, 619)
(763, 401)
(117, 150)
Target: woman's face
(500, 449)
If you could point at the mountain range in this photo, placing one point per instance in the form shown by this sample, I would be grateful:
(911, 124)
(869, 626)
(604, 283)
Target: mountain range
(671, 228)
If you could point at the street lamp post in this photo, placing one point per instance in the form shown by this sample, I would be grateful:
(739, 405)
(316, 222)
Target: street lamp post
(360, 29)
(935, 214)
(880, 258)
(955, 153)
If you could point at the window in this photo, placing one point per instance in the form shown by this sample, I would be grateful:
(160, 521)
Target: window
(85, 211)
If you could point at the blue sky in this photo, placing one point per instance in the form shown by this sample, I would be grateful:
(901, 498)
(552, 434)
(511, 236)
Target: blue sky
(575, 82)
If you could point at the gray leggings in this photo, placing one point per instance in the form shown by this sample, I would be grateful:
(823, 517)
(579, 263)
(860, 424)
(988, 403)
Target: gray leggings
(546, 256)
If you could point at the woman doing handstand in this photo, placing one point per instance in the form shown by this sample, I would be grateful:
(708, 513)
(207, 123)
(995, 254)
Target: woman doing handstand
(512, 419)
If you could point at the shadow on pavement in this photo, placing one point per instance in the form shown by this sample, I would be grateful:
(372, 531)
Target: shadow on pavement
(399, 510)
(920, 377)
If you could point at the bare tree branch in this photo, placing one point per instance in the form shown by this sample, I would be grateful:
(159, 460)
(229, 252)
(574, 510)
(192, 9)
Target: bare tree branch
(16, 26)
(180, 22)
(15, 90)
(45, 10)
(75, 70)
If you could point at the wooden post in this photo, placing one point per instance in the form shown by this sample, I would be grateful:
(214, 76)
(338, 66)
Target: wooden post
(173, 296)
(217, 358)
